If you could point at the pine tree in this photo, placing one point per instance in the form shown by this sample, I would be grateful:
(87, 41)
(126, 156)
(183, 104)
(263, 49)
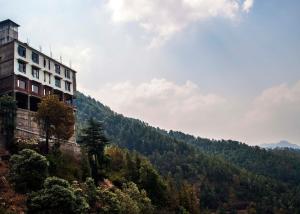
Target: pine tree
(94, 141)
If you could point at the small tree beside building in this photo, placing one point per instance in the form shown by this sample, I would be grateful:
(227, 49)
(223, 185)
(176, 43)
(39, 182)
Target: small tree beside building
(56, 119)
(8, 109)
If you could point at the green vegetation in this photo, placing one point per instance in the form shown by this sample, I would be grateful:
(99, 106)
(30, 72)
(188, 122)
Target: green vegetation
(28, 170)
(8, 108)
(224, 175)
(94, 141)
(280, 164)
(57, 196)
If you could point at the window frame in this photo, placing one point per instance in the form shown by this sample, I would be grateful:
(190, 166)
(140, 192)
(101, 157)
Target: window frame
(35, 86)
(57, 80)
(35, 72)
(23, 70)
(57, 68)
(68, 86)
(19, 85)
(22, 51)
(35, 59)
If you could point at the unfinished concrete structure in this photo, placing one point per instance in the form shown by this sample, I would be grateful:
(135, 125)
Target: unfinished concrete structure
(27, 75)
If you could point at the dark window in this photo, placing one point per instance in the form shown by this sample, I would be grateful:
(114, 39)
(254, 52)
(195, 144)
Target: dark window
(57, 68)
(67, 74)
(57, 82)
(22, 51)
(68, 86)
(35, 57)
(45, 76)
(21, 84)
(35, 89)
(35, 72)
(22, 67)
(49, 65)
(45, 63)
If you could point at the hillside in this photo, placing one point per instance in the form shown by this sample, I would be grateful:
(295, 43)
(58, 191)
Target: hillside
(280, 164)
(229, 175)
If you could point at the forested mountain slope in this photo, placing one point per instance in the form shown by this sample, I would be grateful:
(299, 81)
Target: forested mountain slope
(229, 175)
(280, 164)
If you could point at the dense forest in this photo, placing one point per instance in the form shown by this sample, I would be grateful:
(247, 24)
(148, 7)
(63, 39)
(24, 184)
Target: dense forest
(225, 175)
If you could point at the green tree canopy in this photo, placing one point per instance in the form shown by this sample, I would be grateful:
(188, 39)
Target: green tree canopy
(8, 108)
(28, 170)
(57, 197)
(94, 141)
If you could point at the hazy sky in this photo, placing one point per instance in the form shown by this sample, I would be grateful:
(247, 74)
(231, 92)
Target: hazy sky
(213, 68)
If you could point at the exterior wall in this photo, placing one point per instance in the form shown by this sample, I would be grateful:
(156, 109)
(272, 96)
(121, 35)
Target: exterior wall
(6, 84)
(6, 60)
(27, 127)
(8, 32)
(44, 71)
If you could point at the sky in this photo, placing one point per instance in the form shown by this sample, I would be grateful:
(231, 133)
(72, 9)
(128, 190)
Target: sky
(221, 69)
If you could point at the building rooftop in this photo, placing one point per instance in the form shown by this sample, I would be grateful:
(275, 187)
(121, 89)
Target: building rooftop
(8, 21)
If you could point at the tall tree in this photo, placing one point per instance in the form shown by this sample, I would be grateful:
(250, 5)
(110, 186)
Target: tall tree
(56, 119)
(94, 141)
(8, 109)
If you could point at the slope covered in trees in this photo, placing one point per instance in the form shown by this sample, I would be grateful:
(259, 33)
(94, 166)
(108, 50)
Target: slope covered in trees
(280, 164)
(228, 175)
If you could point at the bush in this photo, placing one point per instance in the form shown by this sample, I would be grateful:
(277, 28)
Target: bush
(28, 170)
(64, 165)
(91, 191)
(57, 197)
(129, 199)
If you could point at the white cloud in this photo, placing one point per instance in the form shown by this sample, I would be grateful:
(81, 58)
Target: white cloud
(275, 113)
(271, 116)
(165, 18)
(247, 5)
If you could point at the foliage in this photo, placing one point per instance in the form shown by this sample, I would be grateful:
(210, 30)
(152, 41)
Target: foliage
(129, 199)
(281, 164)
(57, 197)
(125, 166)
(94, 141)
(143, 202)
(224, 175)
(65, 166)
(8, 111)
(91, 191)
(55, 118)
(28, 170)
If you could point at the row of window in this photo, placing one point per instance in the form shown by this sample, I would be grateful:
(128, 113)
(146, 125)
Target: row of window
(35, 72)
(35, 88)
(35, 58)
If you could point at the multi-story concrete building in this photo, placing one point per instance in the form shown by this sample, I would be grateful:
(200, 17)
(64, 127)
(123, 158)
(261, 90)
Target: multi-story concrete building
(28, 74)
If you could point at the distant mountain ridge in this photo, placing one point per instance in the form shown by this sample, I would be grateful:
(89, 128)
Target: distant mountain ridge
(281, 144)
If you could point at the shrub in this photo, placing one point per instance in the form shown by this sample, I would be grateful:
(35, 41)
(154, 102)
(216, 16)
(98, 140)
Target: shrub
(57, 197)
(129, 199)
(64, 165)
(91, 191)
(28, 170)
